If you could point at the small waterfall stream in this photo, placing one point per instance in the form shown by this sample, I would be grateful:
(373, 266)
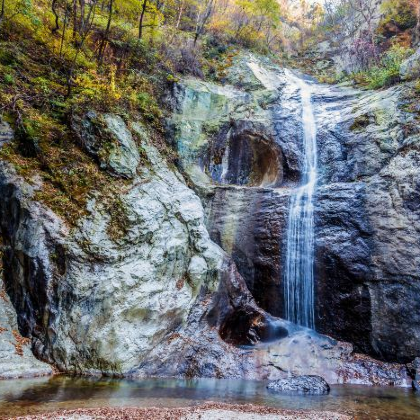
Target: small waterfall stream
(299, 273)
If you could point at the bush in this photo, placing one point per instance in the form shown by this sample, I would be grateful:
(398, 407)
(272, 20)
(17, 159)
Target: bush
(9, 79)
(398, 12)
(387, 72)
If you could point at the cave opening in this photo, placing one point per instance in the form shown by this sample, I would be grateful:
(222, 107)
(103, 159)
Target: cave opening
(248, 160)
(242, 328)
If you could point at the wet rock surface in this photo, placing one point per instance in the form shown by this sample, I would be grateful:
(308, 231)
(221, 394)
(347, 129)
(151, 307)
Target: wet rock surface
(197, 351)
(414, 369)
(367, 230)
(309, 384)
(366, 226)
(249, 224)
(193, 288)
(16, 358)
(246, 203)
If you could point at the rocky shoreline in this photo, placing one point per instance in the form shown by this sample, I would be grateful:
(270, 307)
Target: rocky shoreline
(208, 411)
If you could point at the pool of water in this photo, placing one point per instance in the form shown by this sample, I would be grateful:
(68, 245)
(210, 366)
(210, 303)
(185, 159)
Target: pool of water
(31, 396)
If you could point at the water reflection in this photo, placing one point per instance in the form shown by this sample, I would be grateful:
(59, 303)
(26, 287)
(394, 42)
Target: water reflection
(31, 396)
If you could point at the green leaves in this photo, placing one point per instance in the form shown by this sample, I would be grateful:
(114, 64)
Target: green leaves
(387, 72)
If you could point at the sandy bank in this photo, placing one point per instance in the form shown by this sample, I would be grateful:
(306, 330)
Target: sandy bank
(209, 411)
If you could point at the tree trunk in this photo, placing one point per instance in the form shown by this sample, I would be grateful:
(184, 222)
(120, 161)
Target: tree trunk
(56, 17)
(74, 19)
(106, 34)
(142, 15)
(68, 11)
(2, 11)
(208, 10)
(89, 22)
(82, 16)
(181, 10)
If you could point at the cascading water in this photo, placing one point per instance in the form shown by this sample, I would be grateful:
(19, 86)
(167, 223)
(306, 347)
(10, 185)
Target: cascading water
(299, 274)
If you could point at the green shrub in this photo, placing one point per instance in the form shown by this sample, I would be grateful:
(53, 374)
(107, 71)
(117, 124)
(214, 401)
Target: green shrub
(398, 12)
(387, 71)
(9, 79)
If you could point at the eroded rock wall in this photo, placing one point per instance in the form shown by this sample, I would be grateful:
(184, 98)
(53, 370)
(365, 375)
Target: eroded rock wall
(367, 201)
(98, 297)
(139, 286)
(367, 225)
(16, 358)
(261, 112)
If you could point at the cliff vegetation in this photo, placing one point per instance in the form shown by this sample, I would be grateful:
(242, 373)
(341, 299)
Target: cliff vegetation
(61, 58)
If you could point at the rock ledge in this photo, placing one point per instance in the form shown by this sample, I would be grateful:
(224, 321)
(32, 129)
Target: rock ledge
(305, 384)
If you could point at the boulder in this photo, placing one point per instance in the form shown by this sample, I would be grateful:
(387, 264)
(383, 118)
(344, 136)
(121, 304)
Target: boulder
(123, 155)
(99, 297)
(6, 132)
(305, 384)
(108, 139)
(410, 68)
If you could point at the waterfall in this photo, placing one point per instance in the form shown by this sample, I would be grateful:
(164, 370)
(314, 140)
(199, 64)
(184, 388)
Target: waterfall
(299, 273)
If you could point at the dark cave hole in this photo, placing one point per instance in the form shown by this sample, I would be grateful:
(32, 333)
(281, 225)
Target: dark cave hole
(248, 160)
(249, 328)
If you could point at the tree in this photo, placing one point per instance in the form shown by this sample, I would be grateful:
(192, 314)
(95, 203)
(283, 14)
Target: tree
(105, 36)
(54, 6)
(83, 32)
(204, 13)
(368, 11)
(141, 19)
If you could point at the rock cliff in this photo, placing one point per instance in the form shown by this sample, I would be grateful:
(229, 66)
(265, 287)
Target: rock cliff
(367, 201)
(162, 279)
(96, 298)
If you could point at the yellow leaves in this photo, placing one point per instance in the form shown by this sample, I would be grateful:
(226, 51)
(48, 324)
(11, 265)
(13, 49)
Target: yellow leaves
(113, 69)
(96, 86)
(221, 25)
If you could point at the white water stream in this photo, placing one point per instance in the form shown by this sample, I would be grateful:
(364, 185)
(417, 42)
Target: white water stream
(299, 273)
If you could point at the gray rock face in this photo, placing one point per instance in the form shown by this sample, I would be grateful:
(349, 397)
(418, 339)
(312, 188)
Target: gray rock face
(410, 68)
(243, 149)
(108, 139)
(6, 132)
(94, 302)
(144, 290)
(366, 227)
(307, 384)
(16, 358)
(249, 224)
(230, 136)
(366, 217)
(197, 351)
(416, 374)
